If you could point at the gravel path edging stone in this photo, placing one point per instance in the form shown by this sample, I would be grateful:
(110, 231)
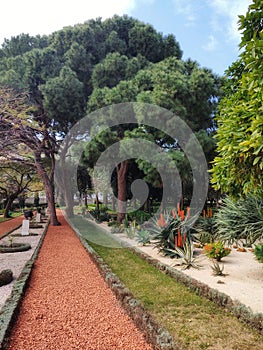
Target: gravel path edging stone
(155, 334)
(10, 310)
(9, 232)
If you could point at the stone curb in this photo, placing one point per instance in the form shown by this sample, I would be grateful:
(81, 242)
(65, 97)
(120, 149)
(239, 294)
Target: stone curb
(155, 334)
(12, 230)
(9, 311)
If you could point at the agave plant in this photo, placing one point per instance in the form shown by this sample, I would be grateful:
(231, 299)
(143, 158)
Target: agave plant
(143, 237)
(217, 270)
(240, 220)
(164, 237)
(186, 256)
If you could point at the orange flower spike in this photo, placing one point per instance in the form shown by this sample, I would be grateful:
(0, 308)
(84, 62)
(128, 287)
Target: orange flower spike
(179, 239)
(161, 221)
(174, 213)
(178, 208)
(188, 212)
(204, 214)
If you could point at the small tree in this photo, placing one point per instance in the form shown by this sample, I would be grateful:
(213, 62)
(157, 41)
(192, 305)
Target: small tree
(238, 167)
(16, 177)
(22, 123)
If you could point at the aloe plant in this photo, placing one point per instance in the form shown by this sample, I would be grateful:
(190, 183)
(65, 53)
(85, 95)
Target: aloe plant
(186, 256)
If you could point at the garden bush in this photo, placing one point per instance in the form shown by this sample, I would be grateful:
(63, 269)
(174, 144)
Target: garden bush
(216, 250)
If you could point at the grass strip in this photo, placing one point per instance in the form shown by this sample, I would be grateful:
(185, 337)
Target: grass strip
(194, 321)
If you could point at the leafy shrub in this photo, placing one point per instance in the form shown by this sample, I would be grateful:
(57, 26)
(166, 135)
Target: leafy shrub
(113, 224)
(240, 220)
(258, 251)
(216, 250)
(139, 216)
(100, 215)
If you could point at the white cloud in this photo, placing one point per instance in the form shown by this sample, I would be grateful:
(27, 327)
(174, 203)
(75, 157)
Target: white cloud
(45, 17)
(187, 10)
(230, 11)
(211, 44)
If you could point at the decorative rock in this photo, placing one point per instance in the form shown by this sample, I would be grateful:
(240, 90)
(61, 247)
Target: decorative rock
(6, 276)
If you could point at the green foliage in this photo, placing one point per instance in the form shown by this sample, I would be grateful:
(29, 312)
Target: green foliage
(216, 250)
(238, 167)
(217, 270)
(99, 215)
(131, 230)
(63, 98)
(186, 316)
(126, 222)
(164, 237)
(15, 247)
(186, 256)
(139, 216)
(241, 220)
(143, 237)
(258, 251)
(206, 231)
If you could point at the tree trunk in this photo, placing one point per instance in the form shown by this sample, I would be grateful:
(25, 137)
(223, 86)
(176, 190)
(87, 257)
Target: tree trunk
(64, 183)
(122, 169)
(97, 201)
(49, 188)
(8, 206)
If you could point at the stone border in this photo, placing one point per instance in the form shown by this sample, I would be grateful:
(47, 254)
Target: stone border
(9, 232)
(10, 310)
(155, 334)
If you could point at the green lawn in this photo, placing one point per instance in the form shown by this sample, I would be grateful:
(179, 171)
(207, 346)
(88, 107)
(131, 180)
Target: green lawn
(194, 321)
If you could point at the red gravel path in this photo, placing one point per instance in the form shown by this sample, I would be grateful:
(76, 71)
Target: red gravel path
(9, 225)
(68, 305)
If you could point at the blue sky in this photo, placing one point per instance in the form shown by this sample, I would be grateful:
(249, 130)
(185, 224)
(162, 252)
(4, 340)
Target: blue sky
(206, 29)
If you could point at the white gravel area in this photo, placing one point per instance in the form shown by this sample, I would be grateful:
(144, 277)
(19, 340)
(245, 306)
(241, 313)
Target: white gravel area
(16, 261)
(243, 280)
